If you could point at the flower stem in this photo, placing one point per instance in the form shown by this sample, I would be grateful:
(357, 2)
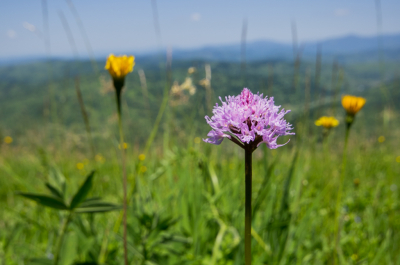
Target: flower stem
(118, 88)
(247, 224)
(339, 196)
(61, 238)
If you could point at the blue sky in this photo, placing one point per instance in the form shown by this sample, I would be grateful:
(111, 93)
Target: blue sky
(127, 25)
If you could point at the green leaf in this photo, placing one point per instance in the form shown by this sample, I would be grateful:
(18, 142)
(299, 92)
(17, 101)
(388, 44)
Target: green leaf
(82, 192)
(95, 205)
(54, 191)
(45, 200)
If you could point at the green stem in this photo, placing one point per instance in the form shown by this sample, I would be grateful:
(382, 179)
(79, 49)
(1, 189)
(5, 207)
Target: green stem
(153, 133)
(247, 223)
(340, 191)
(85, 116)
(118, 88)
(61, 238)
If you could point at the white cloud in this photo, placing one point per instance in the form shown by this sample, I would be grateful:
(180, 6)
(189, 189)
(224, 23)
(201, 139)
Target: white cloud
(29, 26)
(11, 34)
(341, 12)
(195, 17)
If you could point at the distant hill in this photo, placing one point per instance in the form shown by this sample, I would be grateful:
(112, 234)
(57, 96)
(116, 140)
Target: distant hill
(351, 48)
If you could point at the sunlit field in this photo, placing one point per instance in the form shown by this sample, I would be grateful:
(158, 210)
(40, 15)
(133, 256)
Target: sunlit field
(147, 160)
(185, 196)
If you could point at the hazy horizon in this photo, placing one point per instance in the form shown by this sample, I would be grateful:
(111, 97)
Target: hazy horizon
(128, 26)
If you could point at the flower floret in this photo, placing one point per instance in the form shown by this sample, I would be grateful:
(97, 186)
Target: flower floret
(249, 118)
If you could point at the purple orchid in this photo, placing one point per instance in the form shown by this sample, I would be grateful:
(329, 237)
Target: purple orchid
(248, 120)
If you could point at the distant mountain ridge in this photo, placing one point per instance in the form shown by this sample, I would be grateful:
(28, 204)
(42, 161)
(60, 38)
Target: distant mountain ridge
(350, 48)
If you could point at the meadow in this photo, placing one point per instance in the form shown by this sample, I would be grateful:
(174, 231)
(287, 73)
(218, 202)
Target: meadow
(186, 197)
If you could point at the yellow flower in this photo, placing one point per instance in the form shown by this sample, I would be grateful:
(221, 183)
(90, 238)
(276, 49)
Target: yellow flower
(80, 166)
(8, 139)
(352, 104)
(398, 159)
(119, 66)
(142, 157)
(381, 139)
(143, 169)
(327, 122)
(100, 158)
(125, 145)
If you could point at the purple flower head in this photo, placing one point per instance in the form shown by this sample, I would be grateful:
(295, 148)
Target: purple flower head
(248, 120)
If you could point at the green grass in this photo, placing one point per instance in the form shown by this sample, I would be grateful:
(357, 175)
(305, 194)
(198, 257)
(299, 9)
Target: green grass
(187, 207)
(201, 189)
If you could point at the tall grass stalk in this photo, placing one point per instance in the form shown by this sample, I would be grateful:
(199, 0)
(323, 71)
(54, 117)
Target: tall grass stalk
(243, 52)
(319, 90)
(339, 196)
(143, 84)
(208, 87)
(296, 56)
(85, 116)
(334, 80)
(68, 31)
(270, 79)
(156, 22)
(84, 35)
(338, 85)
(385, 92)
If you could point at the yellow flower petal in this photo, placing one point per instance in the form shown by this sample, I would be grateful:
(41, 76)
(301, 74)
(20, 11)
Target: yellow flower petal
(119, 66)
(352, 104)
(327, 122)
